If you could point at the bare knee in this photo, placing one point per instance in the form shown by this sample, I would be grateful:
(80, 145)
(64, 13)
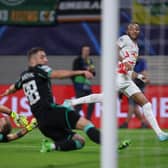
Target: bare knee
(82, 122)
(140, 98)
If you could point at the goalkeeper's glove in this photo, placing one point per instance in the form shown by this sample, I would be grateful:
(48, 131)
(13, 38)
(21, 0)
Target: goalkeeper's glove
(19, 120)
(33, 124)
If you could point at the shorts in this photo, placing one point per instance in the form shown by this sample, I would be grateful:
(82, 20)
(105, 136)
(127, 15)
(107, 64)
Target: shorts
(126, 85)
(57, 122)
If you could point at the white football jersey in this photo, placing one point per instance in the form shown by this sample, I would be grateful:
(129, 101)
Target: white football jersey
(128, 49)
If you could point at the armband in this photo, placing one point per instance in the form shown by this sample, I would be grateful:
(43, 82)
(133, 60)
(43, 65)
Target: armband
(140, 76)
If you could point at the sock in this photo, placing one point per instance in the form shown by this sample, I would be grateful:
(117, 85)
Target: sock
(93, 98)
(93, 133)
(69, 145)
(147, 108)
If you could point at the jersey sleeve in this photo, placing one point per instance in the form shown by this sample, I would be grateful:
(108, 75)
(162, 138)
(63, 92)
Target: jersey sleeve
(3, 138)
(18, 84)
(121, 42)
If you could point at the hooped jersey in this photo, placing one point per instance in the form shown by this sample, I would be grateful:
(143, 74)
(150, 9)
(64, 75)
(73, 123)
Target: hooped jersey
(36, 84)
(129, 50)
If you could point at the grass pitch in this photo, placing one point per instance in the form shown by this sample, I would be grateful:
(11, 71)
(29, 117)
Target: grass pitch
(144, 152)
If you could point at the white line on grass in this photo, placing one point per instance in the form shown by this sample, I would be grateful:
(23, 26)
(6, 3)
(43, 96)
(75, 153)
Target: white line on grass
(34, 146)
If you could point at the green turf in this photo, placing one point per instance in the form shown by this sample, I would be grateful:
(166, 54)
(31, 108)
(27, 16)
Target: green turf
(144, 152)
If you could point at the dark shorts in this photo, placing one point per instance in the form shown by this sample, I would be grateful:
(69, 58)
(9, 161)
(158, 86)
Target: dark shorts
(57, 122)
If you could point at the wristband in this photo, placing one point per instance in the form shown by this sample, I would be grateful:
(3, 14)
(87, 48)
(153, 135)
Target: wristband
(140, 76)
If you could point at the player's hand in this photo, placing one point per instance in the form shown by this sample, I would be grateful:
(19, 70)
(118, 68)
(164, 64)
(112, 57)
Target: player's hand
(124, 67)
(23, 120)
(33, 124)
(19, 120)
(88, 74)
(128, 66)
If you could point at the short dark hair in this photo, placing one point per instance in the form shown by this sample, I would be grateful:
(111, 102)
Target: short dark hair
(34, 50)
(132, 23)
(85, 45)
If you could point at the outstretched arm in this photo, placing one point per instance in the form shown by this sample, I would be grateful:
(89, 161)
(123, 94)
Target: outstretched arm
(18, 119)
(23, 131)
(17, 135)
(9, 91)
(60, 74)
(4, 109)
(140, 76)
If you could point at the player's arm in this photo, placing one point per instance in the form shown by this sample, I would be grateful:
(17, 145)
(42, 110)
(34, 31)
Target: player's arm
(13, 88)
(140, 76)
(60, 74)
(146, 75)
(17, 135)
(124, 65)
(18, 119)
(4, 109)
(118, 52)
(10, 90)
(23, 131)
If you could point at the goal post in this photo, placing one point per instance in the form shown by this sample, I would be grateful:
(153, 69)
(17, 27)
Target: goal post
(108, 78)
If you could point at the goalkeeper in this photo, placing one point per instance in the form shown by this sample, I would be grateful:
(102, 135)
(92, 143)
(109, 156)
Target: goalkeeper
(5, 125)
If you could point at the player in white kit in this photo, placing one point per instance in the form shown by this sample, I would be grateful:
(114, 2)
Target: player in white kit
(128, 53)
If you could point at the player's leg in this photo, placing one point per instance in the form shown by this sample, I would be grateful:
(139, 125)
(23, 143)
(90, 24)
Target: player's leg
(133, 108)
(58, 127)
(63, 140)
(130, 112)
(74, 121)
(147, 109)
(79, 93)
(93, 98)
(92, 132)
(64, 145)
(139, 115)
(134, 92)
(129, 115)
(90, 110)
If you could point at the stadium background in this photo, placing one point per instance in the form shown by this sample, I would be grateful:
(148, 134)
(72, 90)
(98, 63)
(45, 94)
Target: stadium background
(63, 37)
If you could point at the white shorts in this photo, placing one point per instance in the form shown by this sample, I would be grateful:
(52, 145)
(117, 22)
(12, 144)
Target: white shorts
(126, 85)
